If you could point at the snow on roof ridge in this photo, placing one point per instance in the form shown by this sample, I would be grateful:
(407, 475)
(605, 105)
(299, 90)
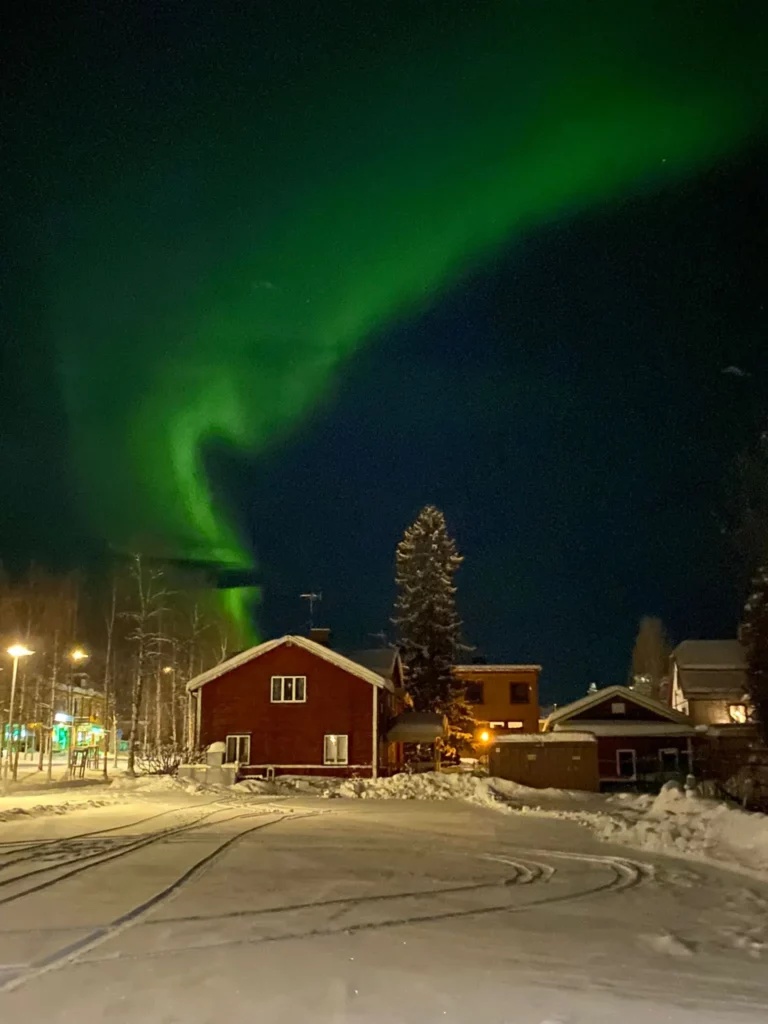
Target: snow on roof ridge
(591, 699)
(498, 668)
(546, 737)
(290, 639)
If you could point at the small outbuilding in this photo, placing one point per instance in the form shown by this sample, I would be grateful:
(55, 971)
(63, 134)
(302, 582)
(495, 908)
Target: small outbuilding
(639, 740)
(547, 760)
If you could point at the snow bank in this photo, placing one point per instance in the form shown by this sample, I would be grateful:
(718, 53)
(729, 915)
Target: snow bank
(676, 821)
(487, 792)
(29, 810)
(680, 822)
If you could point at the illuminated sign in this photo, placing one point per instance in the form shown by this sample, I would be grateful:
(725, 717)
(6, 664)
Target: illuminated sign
(61, 717)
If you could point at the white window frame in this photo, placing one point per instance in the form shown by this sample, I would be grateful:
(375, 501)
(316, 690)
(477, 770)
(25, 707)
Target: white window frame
(497, 725)
(633, 752)
(281, 680)
(669, 750)
(517, 724)
(341, 758)
(238, 736)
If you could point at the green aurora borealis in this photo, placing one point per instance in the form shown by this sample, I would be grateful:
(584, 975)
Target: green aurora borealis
(247, 218)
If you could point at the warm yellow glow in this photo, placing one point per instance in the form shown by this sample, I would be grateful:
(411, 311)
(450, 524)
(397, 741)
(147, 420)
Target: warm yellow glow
(485, 736)
(167, 669)
(78, 654)
(19, 651)
(738, 713)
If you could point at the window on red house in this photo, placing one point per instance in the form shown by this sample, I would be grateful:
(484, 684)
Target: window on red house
(289, 689)
(336, 749)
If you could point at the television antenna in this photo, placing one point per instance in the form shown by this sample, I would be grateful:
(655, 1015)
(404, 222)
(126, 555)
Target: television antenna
(311, 598)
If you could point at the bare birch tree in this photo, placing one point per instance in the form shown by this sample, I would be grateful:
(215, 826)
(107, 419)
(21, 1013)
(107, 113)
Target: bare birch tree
(148, 596)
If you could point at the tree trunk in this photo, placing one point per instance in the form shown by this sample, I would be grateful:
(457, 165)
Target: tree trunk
(108, 674)
(52, 711)
(135, 708)
(174, 710)
(158, 705)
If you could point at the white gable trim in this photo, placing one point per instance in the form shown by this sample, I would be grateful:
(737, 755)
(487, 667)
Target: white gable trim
(622, 692)
(298, 641)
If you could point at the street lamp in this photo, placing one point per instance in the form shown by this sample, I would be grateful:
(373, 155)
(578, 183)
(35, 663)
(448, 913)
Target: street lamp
(16, 651)
(76, 655)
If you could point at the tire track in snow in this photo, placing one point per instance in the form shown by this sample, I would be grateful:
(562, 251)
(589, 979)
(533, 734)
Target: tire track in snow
(32, 848)
(624, 875)
(95, 859)
(99, 935)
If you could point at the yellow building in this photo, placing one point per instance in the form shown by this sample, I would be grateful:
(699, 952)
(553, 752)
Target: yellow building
(504, 698)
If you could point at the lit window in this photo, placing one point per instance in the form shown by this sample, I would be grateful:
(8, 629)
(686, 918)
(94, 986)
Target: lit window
(515, 725)
(336, 749)
(737, 713)
(238, 749)
(496, 725)
(618, 708)
(289, 689)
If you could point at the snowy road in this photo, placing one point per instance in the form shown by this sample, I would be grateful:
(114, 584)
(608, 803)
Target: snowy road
(294, 910)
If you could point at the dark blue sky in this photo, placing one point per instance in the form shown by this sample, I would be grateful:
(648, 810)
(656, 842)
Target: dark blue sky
(567, 409)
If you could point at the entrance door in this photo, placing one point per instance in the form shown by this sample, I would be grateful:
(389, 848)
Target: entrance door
(626, 764)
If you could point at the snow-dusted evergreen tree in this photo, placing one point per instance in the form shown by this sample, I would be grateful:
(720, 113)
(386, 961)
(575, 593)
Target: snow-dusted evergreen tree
(428, 625)
(754, 635)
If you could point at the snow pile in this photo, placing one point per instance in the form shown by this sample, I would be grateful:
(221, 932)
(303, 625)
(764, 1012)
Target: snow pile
(37, 810)
(680, 822)
(426, 786)
(487, 792)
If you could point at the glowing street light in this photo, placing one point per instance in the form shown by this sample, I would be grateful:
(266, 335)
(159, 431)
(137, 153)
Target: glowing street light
(78, 654)
(16, 651)
(484, 736)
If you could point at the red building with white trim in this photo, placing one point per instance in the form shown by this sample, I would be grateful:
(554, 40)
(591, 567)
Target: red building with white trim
(638, 739)
(294, 706)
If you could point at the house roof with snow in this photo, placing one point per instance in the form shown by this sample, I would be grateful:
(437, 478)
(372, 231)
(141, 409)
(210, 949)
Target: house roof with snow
(384, 661)
(711, 669)
(319, 650)
(617, 710)
(710, 654)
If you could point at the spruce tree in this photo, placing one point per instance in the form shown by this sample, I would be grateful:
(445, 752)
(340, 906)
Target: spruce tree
(754, 635)
(428, 625)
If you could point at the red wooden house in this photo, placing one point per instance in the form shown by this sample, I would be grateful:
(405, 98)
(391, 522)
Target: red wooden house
(638, 739)
(294, 706)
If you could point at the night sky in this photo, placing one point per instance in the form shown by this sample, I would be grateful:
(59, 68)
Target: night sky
(276, 275)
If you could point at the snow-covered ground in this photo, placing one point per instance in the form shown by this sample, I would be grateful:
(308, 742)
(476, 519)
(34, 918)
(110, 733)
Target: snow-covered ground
(676, 822)
(167, 904)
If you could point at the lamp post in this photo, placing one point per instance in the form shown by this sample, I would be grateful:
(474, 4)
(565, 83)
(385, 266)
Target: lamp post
(16, 651)
(75, 656)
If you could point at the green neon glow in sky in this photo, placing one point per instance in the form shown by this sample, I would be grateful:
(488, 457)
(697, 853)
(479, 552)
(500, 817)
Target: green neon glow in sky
(246, 233)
